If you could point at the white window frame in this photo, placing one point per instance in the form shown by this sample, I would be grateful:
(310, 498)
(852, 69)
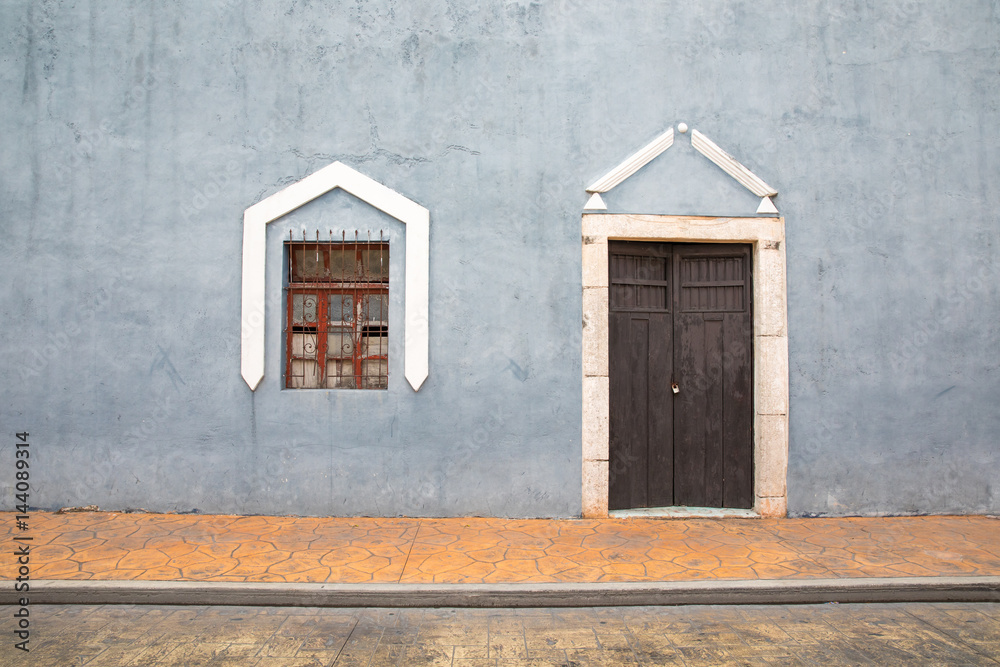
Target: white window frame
(415, 281)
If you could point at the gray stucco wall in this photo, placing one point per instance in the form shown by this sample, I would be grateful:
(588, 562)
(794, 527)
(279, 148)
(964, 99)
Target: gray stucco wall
(135, 135)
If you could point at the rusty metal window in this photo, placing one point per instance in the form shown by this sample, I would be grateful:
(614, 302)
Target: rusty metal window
(337, 315)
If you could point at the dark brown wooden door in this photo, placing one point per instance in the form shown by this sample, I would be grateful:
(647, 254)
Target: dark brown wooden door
(680, 314)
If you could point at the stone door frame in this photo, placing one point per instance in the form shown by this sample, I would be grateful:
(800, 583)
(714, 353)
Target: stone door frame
(770, 342)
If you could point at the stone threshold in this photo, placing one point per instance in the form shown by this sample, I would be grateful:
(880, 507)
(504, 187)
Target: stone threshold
(684, 513)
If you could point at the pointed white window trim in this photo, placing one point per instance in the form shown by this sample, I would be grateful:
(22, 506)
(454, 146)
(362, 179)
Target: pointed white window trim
(703, 145)
(337, 175)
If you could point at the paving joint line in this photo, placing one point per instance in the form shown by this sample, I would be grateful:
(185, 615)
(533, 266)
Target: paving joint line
(342, 646)
(409, 551)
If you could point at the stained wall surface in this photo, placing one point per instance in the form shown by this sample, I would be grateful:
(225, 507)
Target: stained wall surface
(136, 133)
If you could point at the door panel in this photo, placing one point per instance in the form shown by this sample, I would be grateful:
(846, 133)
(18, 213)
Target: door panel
(660, 413)
(680, 313)
(698, 423)
(627, 455)
(737, 422)
(641, 447)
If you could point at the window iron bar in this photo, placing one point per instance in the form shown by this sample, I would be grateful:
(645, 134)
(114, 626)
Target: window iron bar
(317, 356)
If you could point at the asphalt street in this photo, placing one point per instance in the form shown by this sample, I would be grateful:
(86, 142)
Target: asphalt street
(826, 634)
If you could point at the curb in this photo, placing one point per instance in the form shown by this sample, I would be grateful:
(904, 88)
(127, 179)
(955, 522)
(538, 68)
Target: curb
(732, 592)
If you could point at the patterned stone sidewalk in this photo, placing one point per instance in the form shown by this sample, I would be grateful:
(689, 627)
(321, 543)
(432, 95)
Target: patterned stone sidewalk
(169, 547)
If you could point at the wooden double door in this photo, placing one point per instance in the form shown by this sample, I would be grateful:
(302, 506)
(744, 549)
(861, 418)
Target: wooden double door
(681, 369)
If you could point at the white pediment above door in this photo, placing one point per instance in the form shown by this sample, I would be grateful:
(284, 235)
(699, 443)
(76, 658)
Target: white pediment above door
(681, 171)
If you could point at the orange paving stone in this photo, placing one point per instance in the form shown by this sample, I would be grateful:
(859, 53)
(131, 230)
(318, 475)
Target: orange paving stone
(60, 569)
(109, 546)
(552, 565)
(213, 568)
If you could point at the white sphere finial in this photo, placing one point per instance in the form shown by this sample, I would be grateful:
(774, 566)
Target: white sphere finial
(682, 127)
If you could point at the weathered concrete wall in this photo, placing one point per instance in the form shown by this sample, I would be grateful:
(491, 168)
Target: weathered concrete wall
(135, 135)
